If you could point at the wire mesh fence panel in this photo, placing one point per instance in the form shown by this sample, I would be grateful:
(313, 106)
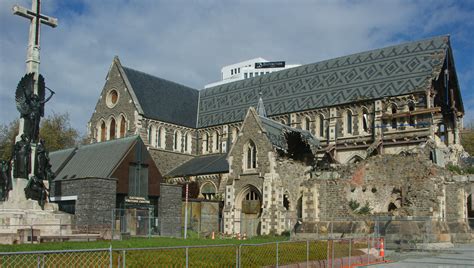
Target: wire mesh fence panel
(213, 256)
(157, 257)
(258, 255)
(317, 250)
(89, 258)
(292, 252)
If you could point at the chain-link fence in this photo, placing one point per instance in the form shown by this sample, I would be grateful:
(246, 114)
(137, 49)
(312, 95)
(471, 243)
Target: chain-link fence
(317, 253)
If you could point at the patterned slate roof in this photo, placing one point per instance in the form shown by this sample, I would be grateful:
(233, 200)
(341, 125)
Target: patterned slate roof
(276, 132)
(205, 164)
(390, 71)
(94, 160)
(164, 100)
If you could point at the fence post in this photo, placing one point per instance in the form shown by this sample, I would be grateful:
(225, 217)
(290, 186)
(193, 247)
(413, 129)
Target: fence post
(239, 256)
(368, 250)
(187, 257)
(307, 253)
(332, 257)
(327, 254)
(110, 256)
(124, 262)
(277, 254)
(350, 251)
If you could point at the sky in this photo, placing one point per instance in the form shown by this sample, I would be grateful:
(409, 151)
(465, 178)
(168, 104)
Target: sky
(190, 41)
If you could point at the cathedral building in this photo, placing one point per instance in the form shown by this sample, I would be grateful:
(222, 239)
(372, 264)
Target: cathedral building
(256, 143)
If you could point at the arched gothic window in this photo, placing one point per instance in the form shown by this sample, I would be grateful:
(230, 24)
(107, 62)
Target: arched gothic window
(321, 125)
(349, 122)
(251, 156)
(411, 119)
(187, 142)
(123, 126)
(205, 141)
(394, 120)
(177, 141)
(365, 120)
(150, 135)
(306, 123)
(215, 141)
(112, 129)
(103, 132)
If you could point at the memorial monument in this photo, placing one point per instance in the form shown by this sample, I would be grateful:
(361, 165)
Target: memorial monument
(25, 212)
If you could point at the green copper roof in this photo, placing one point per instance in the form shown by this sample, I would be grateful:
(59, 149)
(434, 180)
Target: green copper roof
(390, 71)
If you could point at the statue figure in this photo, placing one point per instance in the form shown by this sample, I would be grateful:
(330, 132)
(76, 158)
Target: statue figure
(31, 105)
(21, 157)
(36, 190)
(5, 180)
(43, 171)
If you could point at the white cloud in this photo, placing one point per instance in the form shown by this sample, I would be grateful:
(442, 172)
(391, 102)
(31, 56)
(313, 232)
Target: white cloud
(189, 41)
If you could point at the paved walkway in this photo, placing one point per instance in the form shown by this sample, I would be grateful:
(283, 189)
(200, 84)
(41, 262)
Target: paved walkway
(462, 256)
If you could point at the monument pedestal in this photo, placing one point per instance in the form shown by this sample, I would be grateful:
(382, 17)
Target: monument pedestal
(21, 217)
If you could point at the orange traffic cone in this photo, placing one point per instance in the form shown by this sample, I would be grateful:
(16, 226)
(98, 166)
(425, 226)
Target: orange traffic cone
(213, 237)
(382, 249)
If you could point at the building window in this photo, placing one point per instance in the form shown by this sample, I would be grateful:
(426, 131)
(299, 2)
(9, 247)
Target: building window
(232, 72)
(177, 141)
(251, 74)
(349, 122)
(215, 141)
(238, 70)
(245, 75)
(251, 156)
(205, 141)
(394, 120)
(321, 125)
(307, 123)
(123, 125)
(411, 119)
(112, 129)
(112, 98)
(150, 135)
(365, 120)
(252, 196)
(208, 190)
(103, 132)
(188, 142)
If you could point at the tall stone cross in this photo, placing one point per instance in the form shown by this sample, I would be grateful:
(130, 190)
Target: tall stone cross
(33, 55)
(36, 18)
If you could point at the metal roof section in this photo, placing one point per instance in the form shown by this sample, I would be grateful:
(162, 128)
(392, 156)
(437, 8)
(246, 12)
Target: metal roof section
(277, 134)
(97, 160)
(390, 71)
(164, 100)
(58, 159)
(205, 164)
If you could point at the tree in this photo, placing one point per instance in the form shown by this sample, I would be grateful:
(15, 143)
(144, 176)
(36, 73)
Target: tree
(55, 129)
(57, 132)
(467, 140)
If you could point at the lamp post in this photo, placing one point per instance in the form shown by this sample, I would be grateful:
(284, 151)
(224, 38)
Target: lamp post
(186, 211)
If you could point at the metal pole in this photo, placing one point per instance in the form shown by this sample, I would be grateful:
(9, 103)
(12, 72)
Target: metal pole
(31, 228)
(332, 257)
(187, 257)
(350, 251)
(239, 256)
(307, 253)
(327, 254)
(186, 213)
(110, 256)
(277, 254)
(123, 258)
(368, 250)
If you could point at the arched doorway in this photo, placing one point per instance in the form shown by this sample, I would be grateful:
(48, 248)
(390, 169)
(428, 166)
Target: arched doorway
(250, 201)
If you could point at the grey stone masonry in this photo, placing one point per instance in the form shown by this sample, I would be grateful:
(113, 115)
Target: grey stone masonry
(95, 199)
(169, 210)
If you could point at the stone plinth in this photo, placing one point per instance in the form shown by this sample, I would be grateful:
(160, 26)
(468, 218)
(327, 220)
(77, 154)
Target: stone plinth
(19, 216)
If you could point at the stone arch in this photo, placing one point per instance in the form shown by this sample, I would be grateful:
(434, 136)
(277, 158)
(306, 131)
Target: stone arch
(250, 155)
(177, 137)
(188, 139)
(355, 158)
(306, 123)
(151, 131)
(216, 141)
(205, 142)
(365, 126)
(101, 130)
(208, 190)
(122, 126)
(348, 122)
(249, 203)
(112, 128)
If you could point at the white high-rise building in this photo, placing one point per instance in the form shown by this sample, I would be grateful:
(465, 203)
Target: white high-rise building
(249, 68)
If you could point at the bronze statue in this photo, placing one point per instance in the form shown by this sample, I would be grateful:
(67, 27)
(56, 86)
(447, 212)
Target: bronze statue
(5, 180)
(21, 158)
(36, 190)
(31, 105)
(43, 171)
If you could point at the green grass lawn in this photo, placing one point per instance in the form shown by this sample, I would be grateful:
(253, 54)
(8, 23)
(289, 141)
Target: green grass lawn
(170, 252)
